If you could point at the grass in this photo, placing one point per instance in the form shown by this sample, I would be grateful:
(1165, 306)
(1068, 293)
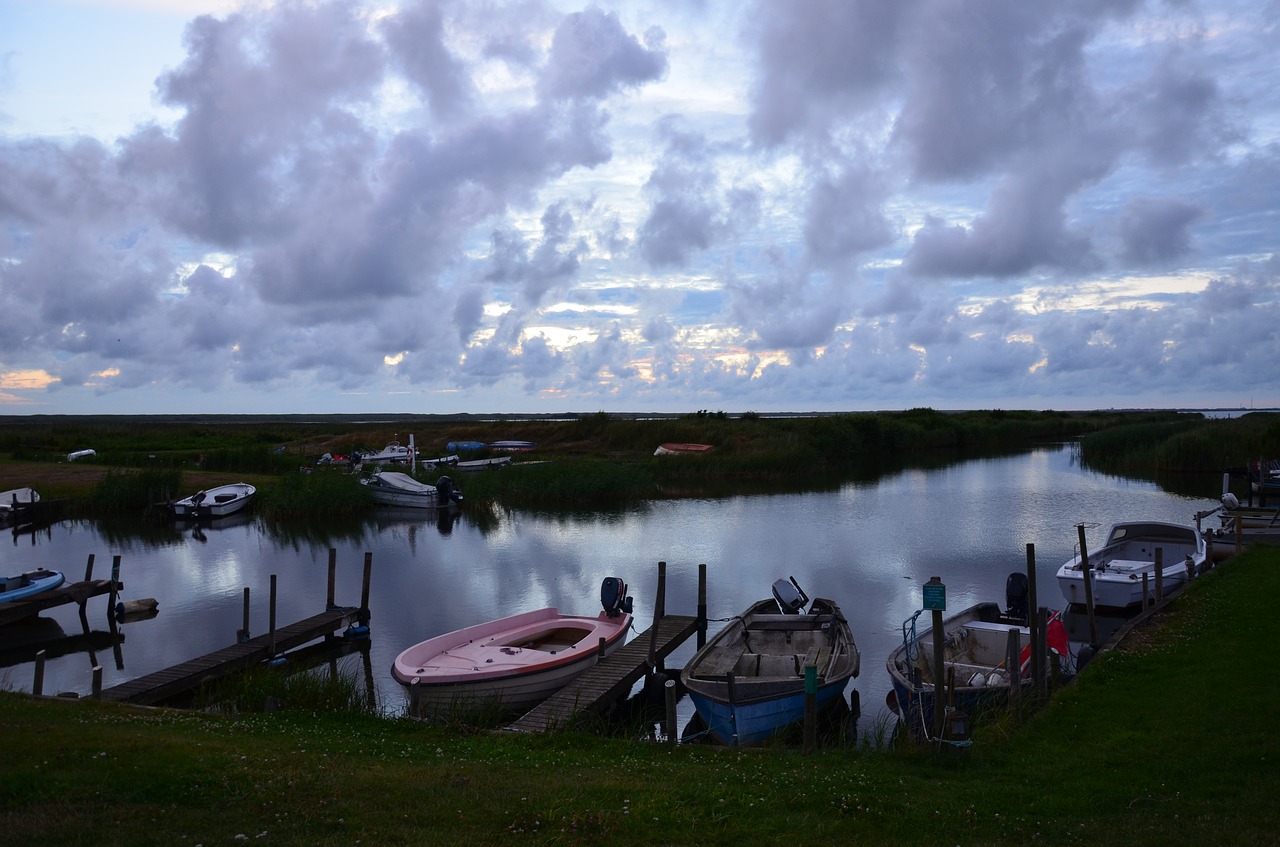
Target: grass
(1168, 740)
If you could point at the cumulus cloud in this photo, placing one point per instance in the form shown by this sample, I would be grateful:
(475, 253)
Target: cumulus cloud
(830, 204)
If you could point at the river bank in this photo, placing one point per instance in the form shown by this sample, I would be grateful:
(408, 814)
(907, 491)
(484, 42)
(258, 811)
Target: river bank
(1168, 739)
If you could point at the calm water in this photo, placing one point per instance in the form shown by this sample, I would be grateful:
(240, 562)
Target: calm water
(869, 547)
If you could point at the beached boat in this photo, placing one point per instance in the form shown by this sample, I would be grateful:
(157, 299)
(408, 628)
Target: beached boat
(394, 453)
(678, 449)
(15, 501)
(748, 682)
(215, 502)
(392, 488)
(513, 663)
(975, 659)
(483, 464)
(1129, 552)
(25, 586)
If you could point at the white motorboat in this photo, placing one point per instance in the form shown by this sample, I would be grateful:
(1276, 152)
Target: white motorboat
(394, 453)
(216, 502)
(392, 488)
(512, 663)
(1117, 567)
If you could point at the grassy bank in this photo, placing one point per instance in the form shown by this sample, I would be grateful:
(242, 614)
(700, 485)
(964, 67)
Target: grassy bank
(598, 458)
(1169, 740)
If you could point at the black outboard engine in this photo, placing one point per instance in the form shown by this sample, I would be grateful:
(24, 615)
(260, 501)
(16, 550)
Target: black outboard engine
(448, 494)
(613, 596)
(1016, 593)
(790, 596)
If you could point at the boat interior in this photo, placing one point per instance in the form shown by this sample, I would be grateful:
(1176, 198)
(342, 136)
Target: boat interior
(550, 640)
(773, 647)
(976, 650)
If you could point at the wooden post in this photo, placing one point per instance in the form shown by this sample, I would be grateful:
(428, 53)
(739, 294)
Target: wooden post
(243, 635)
(1037, 661)
(939, 672)
(115, 589)
(37, 687)
(415, 702)
(732, 685)
(659, 611)
(271, 640)
(88, 569)
(333, 572)
(669, 690)
(364, 589)
(702, 605)
(810, 707)
(600, 650)
(97, 682)
(1159, 574)
(1040, 646)
(1145, 590)
(1011, 658)
(1088, 587)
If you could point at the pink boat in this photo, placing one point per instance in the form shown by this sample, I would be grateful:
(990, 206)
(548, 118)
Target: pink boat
(512, 663)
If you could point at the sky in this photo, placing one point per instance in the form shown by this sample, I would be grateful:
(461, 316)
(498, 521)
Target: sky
(537, 206)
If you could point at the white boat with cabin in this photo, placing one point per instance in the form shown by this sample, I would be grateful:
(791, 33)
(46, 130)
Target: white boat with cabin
(1130, 551)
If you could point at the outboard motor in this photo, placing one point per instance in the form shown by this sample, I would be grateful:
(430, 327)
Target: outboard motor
(448, 493)
(613, 596)
(790, 596)
(1016, 592)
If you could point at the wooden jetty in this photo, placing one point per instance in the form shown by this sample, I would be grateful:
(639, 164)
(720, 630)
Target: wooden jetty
(74, 592)
(611, 679)
(184, 679)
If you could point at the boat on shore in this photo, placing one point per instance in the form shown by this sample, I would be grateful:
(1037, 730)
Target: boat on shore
(1117, 567)
(393, 488)
(394, 453)
(512, 663)
(482, 464)
(748, 682)
(25, 586)
(677, 449)
(217, 502)
(976, 662)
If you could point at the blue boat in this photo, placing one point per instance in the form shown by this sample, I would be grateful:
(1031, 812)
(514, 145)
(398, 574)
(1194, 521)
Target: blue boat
(748, 683)
(465, 446)
(24, 586)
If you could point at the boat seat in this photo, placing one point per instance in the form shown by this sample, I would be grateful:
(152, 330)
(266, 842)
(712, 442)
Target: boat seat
(818, 657)
(784, 622)
(718, 662)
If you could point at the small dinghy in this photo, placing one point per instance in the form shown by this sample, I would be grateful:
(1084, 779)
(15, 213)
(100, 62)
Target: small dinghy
(215, 502)
(25, 586)
(513, 663)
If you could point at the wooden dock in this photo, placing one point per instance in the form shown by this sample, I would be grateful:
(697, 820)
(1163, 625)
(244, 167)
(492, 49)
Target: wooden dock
(611, 679)
(186, 678)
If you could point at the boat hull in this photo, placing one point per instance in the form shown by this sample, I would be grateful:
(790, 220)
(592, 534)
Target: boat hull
(27, 585)
(748, 683)
(507, 665)
(1116, 569)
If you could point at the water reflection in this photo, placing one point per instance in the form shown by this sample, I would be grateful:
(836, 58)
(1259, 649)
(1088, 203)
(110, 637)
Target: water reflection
(868, 545)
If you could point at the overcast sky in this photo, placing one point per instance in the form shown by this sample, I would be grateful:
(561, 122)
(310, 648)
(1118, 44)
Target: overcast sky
(533, 206)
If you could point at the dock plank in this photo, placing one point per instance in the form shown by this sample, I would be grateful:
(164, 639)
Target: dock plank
(161, 685)
(609, 680)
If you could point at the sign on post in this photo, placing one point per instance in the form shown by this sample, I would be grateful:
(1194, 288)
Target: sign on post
(935, 596)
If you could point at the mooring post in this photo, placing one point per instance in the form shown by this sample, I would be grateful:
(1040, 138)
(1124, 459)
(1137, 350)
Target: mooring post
(600, 649)
(810, 707)
(364, 589)
(938, 664)
(1159, 574)
(415, 704)
(1011, 658)
(97, 682)
(333, 570)
(702, 605)
(271, 639)
(37, 687)
(1146, 590)
(1037, 661)
(659, 611)
(88, 569)
(243, 635)
(669, 692)
(1088, 588)
(114, 591)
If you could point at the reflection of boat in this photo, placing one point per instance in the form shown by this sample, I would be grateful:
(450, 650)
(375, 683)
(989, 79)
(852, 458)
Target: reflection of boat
(216, 502)
(975, 658)
(26, 585)
(392, 488)
(513, 446)
(512, 663)
(748, 683)
(16, 501)
(1129, 552)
